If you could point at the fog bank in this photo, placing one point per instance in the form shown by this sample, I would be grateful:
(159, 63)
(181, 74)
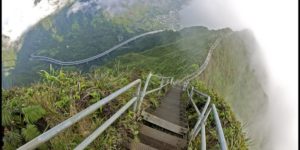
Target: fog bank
(274, 26)
(19, 15)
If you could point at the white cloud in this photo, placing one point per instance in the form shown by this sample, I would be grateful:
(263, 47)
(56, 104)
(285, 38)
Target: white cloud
(274, 24)
(210, 13)
(19, 15)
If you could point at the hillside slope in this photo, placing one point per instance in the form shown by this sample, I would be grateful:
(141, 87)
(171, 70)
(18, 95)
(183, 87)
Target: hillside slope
(178, 57)
(235, 72)
(30, 111)
(188, 45)
(88, 30)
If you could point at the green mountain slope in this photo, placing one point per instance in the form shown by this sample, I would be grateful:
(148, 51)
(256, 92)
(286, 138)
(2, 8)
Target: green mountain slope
(178, 57)
(232, 128)
(72, 36)
(88, 31)
(29, 111)
(231, 74)
(178, 54)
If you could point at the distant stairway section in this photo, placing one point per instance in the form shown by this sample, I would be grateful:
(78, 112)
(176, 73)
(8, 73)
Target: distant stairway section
(82, 61)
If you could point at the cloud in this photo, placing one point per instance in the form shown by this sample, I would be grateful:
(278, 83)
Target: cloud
(274, 25)
(111, 6)
(213, 14)
(18, 16)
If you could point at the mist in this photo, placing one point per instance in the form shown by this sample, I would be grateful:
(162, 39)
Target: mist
(18, 16)
(214, 14)
(274, 25)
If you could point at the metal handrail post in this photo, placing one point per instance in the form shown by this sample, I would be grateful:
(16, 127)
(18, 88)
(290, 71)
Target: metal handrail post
(46, 136)
(138, 95)
(204, 110)
(161, 84)
(219, 129)
(143, 93)
(197, 126)
(105, 125)
(168, 82)
(192, 92)
(185, 86)
(201, 123)
(197, 110)
(203, 138)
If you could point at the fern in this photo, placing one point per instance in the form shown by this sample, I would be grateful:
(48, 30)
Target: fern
(12, 140)
(48, 77)
(33, 113)
(6, 117)
(30, 132)
(63, 102)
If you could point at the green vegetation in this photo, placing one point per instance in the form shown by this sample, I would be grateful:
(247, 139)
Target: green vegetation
(47, 23)
(29, 111)
(8, 58)
(171, 54)
(61, 94)
(187, 48)
(8, 62)
(232, 128)
(232, 76)
(180, 55)
(57, 95)
(87, 33)
(147, 15)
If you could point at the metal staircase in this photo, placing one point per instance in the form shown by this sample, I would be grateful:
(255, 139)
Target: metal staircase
(163, 128)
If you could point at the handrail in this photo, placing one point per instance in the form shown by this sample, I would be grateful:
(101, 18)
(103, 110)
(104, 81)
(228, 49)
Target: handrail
(145, 92)
(154, 90)
(202, 117)
(200, 121)
(191, 98)
(136, 101)
(207, 59)
(104, 126)
(69, 122)
(219, 129)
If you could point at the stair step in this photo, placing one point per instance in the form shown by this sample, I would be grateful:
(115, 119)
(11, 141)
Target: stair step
(140, 146)
(160, 140)
(164, 124)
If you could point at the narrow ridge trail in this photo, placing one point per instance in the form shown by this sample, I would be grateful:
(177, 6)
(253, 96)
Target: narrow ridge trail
(78, 62)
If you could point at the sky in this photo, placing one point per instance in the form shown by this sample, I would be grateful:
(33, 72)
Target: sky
(19, 15)
(273, 22)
